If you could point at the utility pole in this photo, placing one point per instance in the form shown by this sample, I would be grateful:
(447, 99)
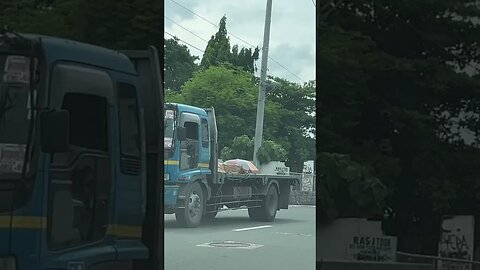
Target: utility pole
(261, 88)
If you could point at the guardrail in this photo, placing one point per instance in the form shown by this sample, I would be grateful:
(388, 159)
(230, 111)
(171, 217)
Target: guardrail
(434, 260)
(405, 261)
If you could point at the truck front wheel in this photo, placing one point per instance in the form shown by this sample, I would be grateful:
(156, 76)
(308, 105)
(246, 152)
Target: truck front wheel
(268, 210)
(191, 215)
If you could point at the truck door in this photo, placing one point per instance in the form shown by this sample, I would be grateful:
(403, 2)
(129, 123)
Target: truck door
(80, 180)
(189, 149)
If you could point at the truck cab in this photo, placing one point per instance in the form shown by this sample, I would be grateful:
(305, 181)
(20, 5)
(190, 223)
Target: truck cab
(187, 152)
(74, 156)
(194, 189)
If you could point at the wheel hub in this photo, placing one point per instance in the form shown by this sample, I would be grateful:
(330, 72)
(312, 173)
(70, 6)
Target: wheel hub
(194, 205)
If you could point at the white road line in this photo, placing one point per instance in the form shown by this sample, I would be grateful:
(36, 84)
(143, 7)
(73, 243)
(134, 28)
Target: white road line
(252, 228)
(248, 246)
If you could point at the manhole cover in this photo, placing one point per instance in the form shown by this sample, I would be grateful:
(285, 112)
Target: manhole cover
(230, 244)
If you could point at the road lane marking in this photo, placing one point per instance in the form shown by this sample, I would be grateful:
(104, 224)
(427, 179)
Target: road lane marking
(230, 245)
(252, 228)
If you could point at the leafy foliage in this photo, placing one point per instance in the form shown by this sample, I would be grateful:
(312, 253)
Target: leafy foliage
(242, 148)
(218, 51)
(113, 24)
(348, 189)
(395, 99)
(233, 93)
(179, 64)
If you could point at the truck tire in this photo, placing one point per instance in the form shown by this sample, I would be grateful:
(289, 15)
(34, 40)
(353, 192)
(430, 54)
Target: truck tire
(268, 210)
(191, 215)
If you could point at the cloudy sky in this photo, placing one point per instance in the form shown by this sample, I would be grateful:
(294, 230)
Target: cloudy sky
(292, 30)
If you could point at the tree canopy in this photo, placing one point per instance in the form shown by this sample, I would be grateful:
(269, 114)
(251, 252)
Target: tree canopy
(219, 51)
(393, 95)
(113, 24)
(179, 64)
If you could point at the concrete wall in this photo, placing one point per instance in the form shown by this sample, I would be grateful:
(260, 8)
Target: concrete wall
(302, 197)
(346, 265)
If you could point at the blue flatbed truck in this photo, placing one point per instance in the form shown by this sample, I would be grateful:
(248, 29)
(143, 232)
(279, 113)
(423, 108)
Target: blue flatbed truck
(80, 168)
(194, 188)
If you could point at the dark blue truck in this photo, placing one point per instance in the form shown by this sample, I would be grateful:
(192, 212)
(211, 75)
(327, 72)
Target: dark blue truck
(80, 156)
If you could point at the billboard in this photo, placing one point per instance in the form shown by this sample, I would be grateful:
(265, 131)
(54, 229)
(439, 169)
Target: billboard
(456, 241)
(372, 248)
(308, 176)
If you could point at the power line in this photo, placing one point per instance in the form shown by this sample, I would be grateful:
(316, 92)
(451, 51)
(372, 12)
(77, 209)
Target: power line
(286, 69)
(313, 2)
(186, 29)
(184, 42)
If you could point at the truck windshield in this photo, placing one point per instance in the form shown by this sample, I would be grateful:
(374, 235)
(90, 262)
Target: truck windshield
(14, 113)
(169, 124)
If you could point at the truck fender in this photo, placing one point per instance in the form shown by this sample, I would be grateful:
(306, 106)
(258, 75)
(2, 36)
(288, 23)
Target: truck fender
(283, 190)
(274, 183)
(202, 180)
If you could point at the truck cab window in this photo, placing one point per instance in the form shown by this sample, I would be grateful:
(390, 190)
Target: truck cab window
(192, 130)
(189, 148)
(205, 134)
(88, 120)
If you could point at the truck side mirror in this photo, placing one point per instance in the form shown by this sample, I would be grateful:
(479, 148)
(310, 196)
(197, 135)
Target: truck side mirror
(55, 131)
(181, 133)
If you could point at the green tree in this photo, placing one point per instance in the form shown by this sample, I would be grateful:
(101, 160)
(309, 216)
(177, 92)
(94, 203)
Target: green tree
(113, 24)
(179, 64)
(242, 148)
(296, 120)
(348, 189)
(218, 51)
(390, 88)
(232, 92)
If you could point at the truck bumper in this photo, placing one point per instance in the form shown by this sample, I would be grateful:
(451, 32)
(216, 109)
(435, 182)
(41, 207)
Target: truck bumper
(170, 195)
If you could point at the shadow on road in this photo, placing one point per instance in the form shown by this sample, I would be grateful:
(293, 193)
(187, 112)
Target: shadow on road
(231, 222)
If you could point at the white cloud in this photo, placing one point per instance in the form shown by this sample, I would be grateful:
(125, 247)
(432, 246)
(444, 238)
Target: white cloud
(292, 30)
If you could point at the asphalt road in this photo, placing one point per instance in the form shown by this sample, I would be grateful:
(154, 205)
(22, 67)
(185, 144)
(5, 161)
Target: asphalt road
(286, 243)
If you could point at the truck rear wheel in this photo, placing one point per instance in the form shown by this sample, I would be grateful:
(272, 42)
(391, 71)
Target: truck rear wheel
(191, 215)
(268, 210)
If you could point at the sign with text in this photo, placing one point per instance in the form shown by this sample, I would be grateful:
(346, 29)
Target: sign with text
(372, 248)
(307, 175)
(275, 167)
(456, 241)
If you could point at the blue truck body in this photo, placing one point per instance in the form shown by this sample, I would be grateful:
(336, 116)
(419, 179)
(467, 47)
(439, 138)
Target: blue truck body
(40, 213)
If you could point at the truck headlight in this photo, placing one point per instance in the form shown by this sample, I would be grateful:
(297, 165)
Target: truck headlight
(7, 263)
(166, 177)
